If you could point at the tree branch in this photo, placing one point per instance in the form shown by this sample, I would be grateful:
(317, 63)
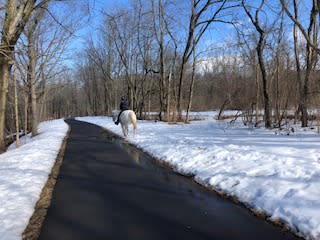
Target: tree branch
(304, 33)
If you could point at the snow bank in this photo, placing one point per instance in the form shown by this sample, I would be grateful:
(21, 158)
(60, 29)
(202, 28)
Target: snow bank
(23, 173)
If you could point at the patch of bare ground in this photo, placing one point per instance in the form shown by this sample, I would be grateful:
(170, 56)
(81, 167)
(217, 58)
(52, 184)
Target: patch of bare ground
(32, 231)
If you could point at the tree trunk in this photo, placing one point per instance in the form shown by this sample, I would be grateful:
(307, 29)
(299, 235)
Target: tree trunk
(16, 110)
(312, 50)
(168, 98)
(277, 93)
(185, 57)
(192, 81)
(26, 117)
(5, 67)
(260, 47)
(301, 107)
(6, 61)
(257, 80)
(311, 57)
(32, 84)
(162, 64)
(296, 54)
(264, 82)
(179, 108)
(158, 22)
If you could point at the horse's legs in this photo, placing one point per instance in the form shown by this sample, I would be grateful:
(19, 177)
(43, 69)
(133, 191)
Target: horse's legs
(124, 130)
(134, 130)
(127, 130)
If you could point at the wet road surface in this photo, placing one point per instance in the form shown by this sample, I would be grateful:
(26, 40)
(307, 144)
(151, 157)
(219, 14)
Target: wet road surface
(110, 190)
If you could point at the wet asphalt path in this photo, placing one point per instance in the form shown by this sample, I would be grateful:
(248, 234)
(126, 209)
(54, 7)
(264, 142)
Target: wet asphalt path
(109, 190)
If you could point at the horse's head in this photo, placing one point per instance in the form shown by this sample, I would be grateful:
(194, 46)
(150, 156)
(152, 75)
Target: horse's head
(114, 115)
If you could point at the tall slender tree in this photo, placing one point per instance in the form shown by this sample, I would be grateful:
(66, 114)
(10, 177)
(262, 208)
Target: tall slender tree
(312, 51)
(199, 22)
(32, 56)
(260, 49)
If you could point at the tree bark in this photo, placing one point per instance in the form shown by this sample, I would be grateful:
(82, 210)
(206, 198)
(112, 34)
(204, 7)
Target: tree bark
(264, 82)
(5, 67)
(31, 76)
(257, 81)
(26, 117)
(16, 110)
(185, 58)
(192, 82)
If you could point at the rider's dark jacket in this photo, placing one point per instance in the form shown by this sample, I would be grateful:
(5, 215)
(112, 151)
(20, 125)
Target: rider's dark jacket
(124, 105)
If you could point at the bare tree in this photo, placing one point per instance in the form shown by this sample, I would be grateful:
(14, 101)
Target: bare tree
(16, 110)
(32, 56)
(314, 12)
(192, 81)
(312, 50)
(40, 56)
(278, 65)
(158, 22)
(171, 90)
(198, 24)
(16, 16)
(260, 48)
(123, 29)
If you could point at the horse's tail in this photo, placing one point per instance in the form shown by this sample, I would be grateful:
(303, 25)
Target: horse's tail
(133, 119)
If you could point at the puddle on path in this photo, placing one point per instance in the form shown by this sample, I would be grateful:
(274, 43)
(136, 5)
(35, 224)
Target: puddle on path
(141, 158)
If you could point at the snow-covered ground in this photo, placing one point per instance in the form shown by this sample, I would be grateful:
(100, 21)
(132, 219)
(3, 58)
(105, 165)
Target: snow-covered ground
(23, 173)
(275, 173)
(270, 172)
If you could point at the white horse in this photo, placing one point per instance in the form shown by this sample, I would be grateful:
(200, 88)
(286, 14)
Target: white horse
(127, 117)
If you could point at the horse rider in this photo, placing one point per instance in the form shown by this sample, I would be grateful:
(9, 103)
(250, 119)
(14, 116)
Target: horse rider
(124, 105)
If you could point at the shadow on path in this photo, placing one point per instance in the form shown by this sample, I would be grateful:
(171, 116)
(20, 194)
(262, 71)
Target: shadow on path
(106, 190)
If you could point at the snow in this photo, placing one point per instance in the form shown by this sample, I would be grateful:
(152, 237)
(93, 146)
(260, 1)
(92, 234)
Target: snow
(23, 173)
(276, 173)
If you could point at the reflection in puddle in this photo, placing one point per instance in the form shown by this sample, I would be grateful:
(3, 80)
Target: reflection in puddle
(161, 169)
(141, 158)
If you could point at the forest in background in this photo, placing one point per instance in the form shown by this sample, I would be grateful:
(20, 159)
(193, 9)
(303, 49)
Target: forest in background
(166, 56)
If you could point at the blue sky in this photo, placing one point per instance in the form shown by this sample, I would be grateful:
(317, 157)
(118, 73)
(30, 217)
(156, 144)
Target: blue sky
(216, 35)
(218, 30)
(92, 21)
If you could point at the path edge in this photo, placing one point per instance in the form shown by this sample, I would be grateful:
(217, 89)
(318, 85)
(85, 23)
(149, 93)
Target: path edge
(33, 228)
(281, 224)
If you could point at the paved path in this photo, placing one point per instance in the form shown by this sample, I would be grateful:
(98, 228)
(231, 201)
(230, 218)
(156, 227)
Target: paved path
(111, 191)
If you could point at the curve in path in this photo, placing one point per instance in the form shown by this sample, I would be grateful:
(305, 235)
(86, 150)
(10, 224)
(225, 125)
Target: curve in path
(105, 192)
